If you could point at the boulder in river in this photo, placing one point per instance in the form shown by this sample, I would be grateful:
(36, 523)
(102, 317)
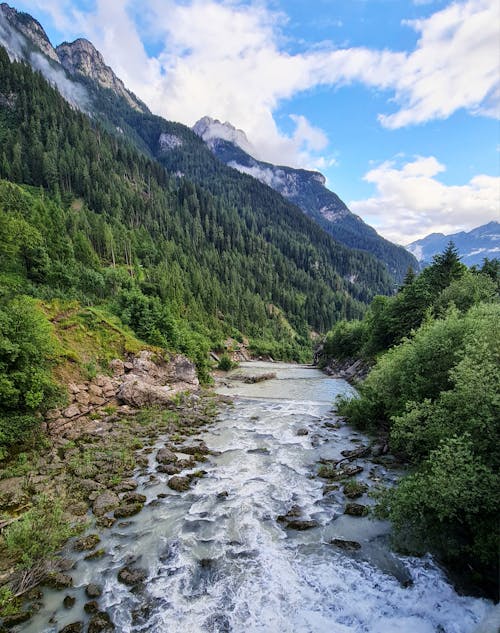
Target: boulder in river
(86, 542)
(93, 591)
(69, 602)
(100, 622)
(166, 456)
(301, 524)
(75, 627)
(344, 544)
(105, 502)
(132, 575)
(128, 509)
(58, 580)
(356, 510)
(181, 484)
(127, 485)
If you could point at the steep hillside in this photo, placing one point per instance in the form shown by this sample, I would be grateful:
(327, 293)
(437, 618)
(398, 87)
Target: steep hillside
(81, 75)
(307, 190)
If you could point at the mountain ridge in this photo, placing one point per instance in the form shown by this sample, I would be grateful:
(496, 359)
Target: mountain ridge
(473, 246)
(307, 189)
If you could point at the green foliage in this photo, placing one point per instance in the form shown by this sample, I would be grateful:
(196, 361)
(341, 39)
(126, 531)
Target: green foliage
(450, 503)
(437, 394)
(38, 534)
(346, 339)
(26, 385)
(225, 363)
(223, 253)
(9, 604)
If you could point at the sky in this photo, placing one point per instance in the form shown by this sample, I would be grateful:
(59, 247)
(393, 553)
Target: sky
(396, 102)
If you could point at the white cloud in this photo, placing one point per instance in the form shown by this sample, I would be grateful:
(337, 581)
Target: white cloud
(411, 202)
(227, 59)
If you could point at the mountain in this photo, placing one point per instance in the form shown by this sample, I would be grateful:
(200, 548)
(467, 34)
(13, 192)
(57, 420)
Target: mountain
(307, 190)
(473, 246)
(122, 209)
(24, 38)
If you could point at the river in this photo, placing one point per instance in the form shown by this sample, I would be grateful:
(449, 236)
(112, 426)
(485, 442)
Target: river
(218, 560)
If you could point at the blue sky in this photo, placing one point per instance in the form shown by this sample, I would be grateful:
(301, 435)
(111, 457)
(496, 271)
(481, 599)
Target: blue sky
(396, 102)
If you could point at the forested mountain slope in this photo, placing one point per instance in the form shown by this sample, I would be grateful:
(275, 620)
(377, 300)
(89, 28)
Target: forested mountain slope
(307, 190)
(114, 221)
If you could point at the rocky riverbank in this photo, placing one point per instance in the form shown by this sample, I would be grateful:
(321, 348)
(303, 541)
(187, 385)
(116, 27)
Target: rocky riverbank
(85, 466)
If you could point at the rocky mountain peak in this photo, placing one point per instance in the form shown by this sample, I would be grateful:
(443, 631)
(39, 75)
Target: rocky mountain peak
(213, 130)
(82, 58)
(30, 28)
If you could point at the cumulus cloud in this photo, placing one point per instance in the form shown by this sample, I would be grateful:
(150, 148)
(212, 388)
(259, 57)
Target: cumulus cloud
(411, 196)
(227, 59)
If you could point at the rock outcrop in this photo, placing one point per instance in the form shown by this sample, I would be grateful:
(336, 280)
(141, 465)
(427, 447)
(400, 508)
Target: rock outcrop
(143, 380)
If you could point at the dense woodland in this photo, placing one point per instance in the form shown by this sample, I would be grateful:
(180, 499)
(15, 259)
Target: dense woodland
(91, 216)
(434, 389)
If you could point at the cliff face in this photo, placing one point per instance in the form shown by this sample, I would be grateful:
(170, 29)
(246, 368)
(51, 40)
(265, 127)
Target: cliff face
(30, 28)
(24, 38)
(82, 58)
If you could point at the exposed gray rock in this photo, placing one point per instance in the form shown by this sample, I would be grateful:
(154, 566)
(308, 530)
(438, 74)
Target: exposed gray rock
(93, 591)
(86, 542)
(166, 456)
(101, 623)
(105, 502)
(132, 575)
(181, 484)
(356, 509)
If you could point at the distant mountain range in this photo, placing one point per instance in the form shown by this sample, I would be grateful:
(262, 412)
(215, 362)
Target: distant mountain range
(473, 246)
(307, 190)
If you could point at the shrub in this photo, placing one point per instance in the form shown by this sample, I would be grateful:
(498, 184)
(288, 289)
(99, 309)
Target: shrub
(225, 363)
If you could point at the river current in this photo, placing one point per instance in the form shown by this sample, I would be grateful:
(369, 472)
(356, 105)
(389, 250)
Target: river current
(218, 560)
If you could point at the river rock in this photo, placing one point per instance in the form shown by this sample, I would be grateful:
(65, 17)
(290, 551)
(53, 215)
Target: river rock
(198, 449)
(89, 485)
(301, 525)
(101, 623)
(93, 591)
(169, 469)
(58, 580)
(91, 607)
(128, 510)
(181, 484)
(356, 510)
(69, 602)
(166, 456)
(75, 627)
(345, 544)
(132, 575)
(105, 502)
(293, 512)
(127, 485)
(105, 521)
(134, 497)
(86, 542)
(301, 432)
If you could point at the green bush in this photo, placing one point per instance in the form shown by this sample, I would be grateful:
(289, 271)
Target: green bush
(26, 385)
(39, 533)
(346, 339)
(449, 504)
(225, 363)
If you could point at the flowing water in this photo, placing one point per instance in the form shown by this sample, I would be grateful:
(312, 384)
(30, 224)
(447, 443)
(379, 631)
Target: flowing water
(217, 559)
